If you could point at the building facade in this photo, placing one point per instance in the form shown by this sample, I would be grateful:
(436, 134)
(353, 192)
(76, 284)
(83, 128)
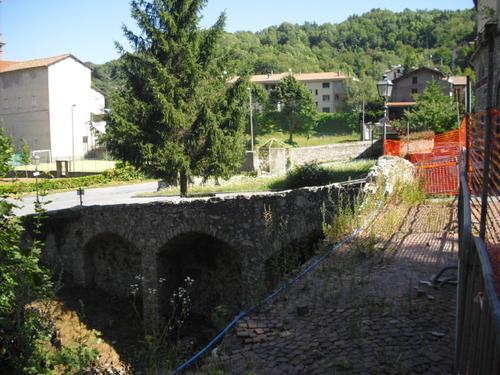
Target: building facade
(48, 102)
(413, 83)
(486, 58)
(327, 88)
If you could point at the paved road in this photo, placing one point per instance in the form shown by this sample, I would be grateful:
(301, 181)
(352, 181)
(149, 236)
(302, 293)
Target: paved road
(98, 196)
(124, 194)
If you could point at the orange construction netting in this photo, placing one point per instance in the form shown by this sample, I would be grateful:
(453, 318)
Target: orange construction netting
(439, 169)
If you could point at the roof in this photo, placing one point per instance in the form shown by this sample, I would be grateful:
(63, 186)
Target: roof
(274, 78)
(323, 76)
(459, 80)
(5, 64)
(400, 104)
(417, 70)
(37, 63)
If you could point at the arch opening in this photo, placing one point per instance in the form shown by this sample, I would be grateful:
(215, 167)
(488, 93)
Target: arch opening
(111, 264)
(213, 264)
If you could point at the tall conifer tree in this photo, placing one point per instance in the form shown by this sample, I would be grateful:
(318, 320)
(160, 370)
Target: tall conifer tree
(176, 116)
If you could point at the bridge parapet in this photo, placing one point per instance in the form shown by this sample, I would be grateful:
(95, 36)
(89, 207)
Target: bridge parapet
(110, 246)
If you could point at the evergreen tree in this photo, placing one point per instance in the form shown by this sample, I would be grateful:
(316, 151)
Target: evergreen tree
(433, 110)
(292, 106)
(176, 116)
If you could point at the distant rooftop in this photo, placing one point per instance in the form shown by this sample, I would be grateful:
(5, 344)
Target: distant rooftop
(303, 77)
(459, 80)
(323, 76)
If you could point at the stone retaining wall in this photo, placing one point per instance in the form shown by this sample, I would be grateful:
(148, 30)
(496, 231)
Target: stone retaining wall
(334, 152)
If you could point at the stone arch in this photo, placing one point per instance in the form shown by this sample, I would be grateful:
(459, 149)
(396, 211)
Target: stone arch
(215, 266)
(111, 264)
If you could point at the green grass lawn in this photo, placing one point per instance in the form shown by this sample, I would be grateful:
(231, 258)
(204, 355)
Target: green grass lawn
(317, 139)
(337, 172)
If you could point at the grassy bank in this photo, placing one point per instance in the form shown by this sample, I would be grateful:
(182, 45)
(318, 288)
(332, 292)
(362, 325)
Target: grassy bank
(308, 175)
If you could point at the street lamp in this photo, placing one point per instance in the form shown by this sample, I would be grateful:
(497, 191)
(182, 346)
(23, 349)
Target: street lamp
(251, 116)
(36, 161)
(73, 137)
(384, 88)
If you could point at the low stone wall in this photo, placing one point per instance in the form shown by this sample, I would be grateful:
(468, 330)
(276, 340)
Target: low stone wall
(334, 152)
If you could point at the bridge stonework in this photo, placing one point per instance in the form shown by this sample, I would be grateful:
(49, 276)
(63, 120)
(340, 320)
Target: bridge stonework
(229, 239)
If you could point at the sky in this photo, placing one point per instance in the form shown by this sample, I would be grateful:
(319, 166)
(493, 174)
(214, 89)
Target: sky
(89, 28)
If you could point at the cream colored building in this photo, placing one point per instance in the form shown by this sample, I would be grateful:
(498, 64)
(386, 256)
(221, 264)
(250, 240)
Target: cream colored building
(49, 102)
(327, 88)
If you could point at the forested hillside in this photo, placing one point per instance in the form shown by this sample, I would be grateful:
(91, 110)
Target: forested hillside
(364, 46)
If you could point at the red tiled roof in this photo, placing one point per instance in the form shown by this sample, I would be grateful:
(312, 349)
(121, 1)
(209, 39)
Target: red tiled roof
(459, 80)
(20, 65)
(400, 104)
(274, 78)
(5, 64)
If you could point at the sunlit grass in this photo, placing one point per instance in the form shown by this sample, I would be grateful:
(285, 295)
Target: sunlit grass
(314, 140)
(337, 172)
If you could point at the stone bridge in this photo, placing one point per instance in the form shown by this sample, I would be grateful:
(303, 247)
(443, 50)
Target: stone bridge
(232, 247)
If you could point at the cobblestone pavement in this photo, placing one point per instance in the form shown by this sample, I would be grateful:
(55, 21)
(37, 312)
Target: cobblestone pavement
(364, 311)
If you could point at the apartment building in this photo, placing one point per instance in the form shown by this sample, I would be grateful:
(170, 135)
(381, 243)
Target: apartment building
(327, 87)
(49, 102)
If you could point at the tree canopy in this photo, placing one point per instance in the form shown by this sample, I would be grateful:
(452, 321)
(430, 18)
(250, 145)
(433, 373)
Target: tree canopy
(176, 116)
(362, 45)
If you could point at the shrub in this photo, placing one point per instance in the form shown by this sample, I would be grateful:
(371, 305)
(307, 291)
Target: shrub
(310, 174)
(122, 172)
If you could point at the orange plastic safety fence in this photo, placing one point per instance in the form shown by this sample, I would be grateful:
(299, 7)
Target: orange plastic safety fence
(439, 177)
(392, 147)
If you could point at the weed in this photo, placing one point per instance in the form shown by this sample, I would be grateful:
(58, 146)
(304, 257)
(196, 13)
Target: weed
(342, 363)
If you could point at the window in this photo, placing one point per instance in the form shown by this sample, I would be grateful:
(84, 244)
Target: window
(337, 97)
(326, 85)
(326, 98)
(85, 139)
(6, 103)
(414, 80)
(316, 91)
(414, 91)
(273, 86)
(34, 102)
(266, 86)
(326, 109)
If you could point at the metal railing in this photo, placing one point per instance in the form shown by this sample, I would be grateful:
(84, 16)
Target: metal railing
(477, 344)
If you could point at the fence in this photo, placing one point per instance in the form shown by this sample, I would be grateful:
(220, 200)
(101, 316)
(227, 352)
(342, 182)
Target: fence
(477, 349)
(439, 169)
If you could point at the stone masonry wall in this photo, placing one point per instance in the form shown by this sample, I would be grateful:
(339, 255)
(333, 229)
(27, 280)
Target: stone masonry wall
(334, 152)
(253, 227)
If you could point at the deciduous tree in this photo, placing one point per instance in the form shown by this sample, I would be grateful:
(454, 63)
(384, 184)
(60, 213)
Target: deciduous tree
(293, 107)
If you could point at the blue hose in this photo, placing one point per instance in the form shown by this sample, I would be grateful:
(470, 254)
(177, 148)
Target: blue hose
(270, 297)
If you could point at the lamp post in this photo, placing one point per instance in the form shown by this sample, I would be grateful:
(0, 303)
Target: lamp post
(384, 88)
(36, 161)
(251, 117)
(73, 137)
